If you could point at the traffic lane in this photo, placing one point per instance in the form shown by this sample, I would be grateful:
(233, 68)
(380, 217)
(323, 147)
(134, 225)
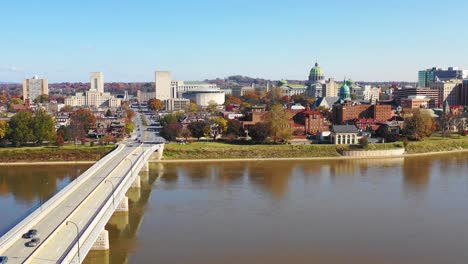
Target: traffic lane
(18, 252)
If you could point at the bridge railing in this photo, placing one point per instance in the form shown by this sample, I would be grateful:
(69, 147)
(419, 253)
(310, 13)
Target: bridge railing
(91, 230)
(27, 223)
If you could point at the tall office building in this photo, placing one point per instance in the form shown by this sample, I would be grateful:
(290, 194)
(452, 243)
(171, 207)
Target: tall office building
(438, 74)
(447, 91)
(34, 87)
(163, 85)
(97, 82)
(464, 93)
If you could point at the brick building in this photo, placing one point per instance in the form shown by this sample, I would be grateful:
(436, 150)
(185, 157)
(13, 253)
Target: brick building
(311, 121)
(349, 111)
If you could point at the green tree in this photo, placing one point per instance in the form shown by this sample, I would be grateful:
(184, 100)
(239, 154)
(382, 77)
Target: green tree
(155, 104)
(364, 142)
(212, 106)
(20, 131)
(129, 127)
(81, 121)
(419, 125)
(198, 129)
(16, 101)
(259, 132)
(43, 126)
(234, 127)
(171, 131)
(109, 113)
(192, 108)
(3, 129)
(278, 121)
(218, 127)
(42, 99)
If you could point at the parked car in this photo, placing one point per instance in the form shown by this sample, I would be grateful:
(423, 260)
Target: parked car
(30, 234)
(34, 242)
(3, 259)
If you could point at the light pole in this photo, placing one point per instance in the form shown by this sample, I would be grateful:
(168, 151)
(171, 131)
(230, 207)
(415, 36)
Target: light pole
(113, 188)
(77, 238)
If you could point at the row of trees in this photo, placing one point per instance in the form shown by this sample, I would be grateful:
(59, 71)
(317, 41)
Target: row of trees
(25, 127)
(275, 126)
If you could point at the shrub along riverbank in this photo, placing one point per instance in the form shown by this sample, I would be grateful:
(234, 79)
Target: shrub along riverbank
(214, 150)
(47, 154)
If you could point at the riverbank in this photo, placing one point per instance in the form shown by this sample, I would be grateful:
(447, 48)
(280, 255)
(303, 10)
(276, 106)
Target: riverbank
(53, 155)
(213, 151)
(204, 151)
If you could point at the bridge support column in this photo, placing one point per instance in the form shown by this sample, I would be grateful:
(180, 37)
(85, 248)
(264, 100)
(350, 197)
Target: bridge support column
(119, 220)
(123, 205)
(144, 176)
(145, 167)
(134, 194)
(102, 241)
(137, 182)
(158, 154)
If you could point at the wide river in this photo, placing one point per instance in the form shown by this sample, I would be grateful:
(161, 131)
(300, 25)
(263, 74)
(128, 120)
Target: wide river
(403, 210)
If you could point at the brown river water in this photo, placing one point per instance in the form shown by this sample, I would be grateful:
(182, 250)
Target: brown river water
(401, 210)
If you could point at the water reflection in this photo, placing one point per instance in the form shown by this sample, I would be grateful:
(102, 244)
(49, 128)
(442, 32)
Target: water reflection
(123, 226)
(29, 186)
(348, 211)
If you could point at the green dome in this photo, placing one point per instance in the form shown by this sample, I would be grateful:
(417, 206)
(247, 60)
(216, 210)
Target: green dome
(282, 83)
(316, 71)
(345, 92)
(350, 83)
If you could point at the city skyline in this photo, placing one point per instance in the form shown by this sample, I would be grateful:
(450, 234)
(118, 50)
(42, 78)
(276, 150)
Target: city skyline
(63, 42)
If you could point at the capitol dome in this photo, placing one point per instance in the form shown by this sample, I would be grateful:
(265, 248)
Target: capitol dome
(316, 73)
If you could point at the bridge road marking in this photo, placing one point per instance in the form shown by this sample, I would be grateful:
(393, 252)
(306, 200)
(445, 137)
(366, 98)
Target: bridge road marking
(47, 223)
(92, 198)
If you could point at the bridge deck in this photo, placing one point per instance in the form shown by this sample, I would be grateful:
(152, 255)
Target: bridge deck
(78, 207)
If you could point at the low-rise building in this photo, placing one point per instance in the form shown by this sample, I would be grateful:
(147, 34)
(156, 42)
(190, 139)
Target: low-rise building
(344, 134)
(415, 101)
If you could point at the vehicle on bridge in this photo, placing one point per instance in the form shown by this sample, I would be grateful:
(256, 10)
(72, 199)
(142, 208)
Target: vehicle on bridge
(3, 259)
(30, 234)
(34, 242)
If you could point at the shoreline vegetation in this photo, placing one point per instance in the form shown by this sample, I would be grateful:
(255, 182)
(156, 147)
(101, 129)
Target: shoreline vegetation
(215, 151)
(221, 151)
(52, 154)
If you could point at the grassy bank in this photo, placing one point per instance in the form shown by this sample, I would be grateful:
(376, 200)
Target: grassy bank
(44, 154)
(437, 144)
(214, 150)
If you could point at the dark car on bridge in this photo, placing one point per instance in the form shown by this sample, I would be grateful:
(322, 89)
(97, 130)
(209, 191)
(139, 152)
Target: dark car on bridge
(34, 242)
(30, 234)
(3, 259)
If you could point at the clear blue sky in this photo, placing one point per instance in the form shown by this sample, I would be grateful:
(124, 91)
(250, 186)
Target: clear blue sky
(129, 39)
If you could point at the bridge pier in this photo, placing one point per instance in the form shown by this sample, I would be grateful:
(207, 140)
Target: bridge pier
(98, 256)
(145, 167)
(134, 194)
(158, 154)
(144, 176)
(119, 221)
(123, 205)
(102, 241)
(137, 182)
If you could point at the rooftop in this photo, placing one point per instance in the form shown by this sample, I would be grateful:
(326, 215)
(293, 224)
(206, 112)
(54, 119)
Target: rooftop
(344, 129)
